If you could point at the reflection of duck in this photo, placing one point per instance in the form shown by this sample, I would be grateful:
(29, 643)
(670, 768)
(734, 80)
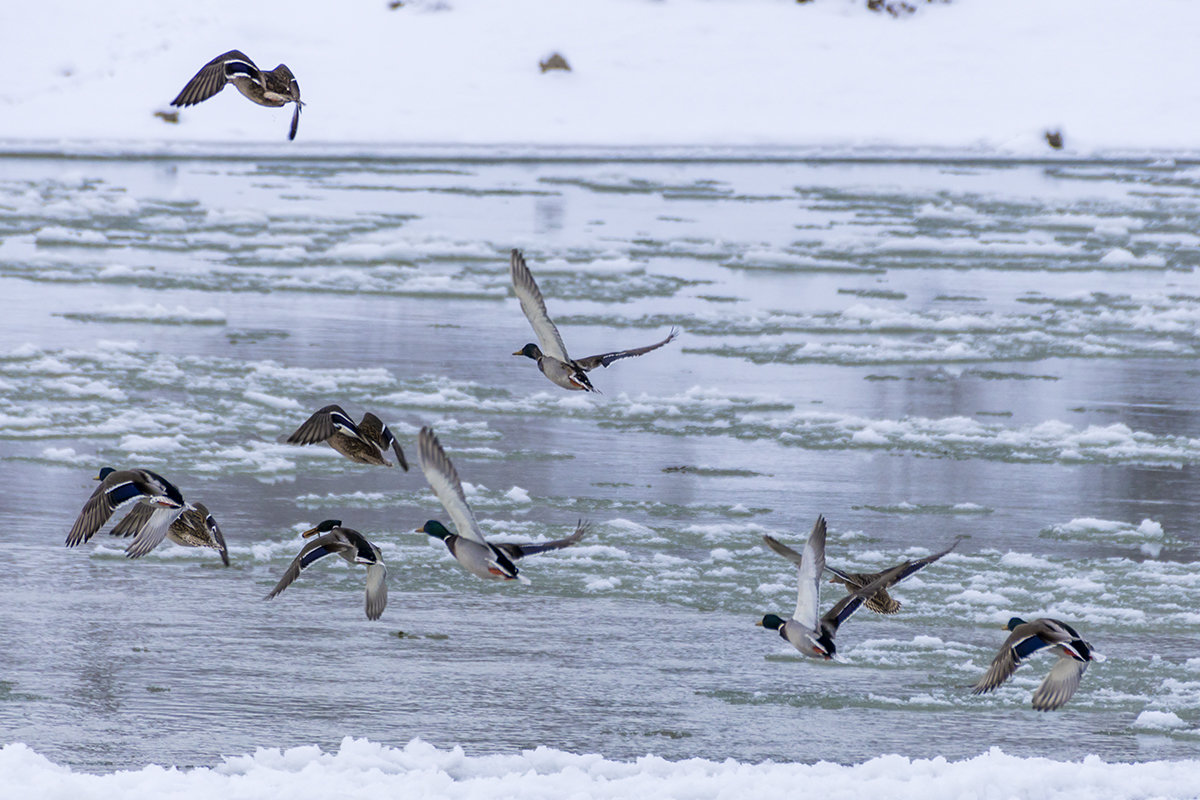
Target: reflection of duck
(275, 88)
(350, 545)
(365, 442)
(194, 527)
(469, 548)
(881, 602)
(1025, 640)
(551, 357)
(162, 500)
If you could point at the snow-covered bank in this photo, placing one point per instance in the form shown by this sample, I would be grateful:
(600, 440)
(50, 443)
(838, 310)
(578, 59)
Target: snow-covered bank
(363, 769)
(970, 75)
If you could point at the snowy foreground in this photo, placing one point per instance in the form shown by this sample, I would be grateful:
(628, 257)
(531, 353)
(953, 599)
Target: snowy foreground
(974, 75)
(367, 770)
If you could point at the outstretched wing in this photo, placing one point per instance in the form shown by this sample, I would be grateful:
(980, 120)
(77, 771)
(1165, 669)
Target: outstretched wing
(107, 498)
(323, 424)
(132, 522)
(535, 308)
(516, 551)
(1060, 684)
(604, 359)
(295, 117)
(810, 565)
(443, 478)
(213, 76)
(376, 590)
(153, 531)
(1020, 644)
(214, 531)
(373, 429)
(881, 602)
(326, 545)
(845, 608)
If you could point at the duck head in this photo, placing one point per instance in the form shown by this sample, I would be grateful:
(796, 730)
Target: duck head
(1013, 623)
(772, 621)
(529, 351)
(324, 527)
(104, 473)
(435, 528)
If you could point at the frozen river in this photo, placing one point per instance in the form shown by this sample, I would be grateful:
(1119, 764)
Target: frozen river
(916, 350)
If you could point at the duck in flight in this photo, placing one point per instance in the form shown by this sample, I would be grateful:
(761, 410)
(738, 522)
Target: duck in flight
(366, 442)
(162, 499)
(881, 602)
(275, 88)
(809, 633)
(194, 527)
(350, 545)
(1025, 639)
(551, 356)
(476, 555)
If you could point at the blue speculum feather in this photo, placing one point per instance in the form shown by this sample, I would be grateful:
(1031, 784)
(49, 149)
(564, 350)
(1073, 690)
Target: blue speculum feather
(123, 492)
(1029, 646)
(233, 68)
(313, 555)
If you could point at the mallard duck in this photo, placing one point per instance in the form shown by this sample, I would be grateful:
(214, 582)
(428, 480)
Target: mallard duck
(195, 527)
(472, 551)
(551, 357)
(1025, 640)
(365, 443)
(162, 499)
(881, 602)
(812, 635)
(275, 88)
(350, 545)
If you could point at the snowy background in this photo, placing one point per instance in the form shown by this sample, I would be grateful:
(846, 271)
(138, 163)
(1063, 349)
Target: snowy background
(977, 75)
(972, 77)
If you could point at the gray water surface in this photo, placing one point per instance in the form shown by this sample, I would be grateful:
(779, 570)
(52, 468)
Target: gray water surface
(916, 350)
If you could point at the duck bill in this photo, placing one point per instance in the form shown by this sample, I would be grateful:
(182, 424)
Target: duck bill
(420, 530)
(311, 532)
(518, 353)
(759, 623)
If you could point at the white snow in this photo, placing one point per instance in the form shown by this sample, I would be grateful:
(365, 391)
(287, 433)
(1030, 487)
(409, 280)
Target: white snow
(363, 769)
(974, 75)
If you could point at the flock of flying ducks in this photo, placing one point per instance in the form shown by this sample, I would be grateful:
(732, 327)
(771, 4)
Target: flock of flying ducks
(160, 512)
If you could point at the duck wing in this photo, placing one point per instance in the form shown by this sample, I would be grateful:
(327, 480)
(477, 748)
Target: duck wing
(214, 531)
(604, 359)
(295, 118)
(117, 489)
(880, 601)
(1025, 640)
(324, 423)
(132, 522)
(1060, 684)
(213, 76)
(443, 479)
(376, 590)
(373, 429)
(516, 551)
(810, 565)
(153, 530)
(332, 543)
(535, 308)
